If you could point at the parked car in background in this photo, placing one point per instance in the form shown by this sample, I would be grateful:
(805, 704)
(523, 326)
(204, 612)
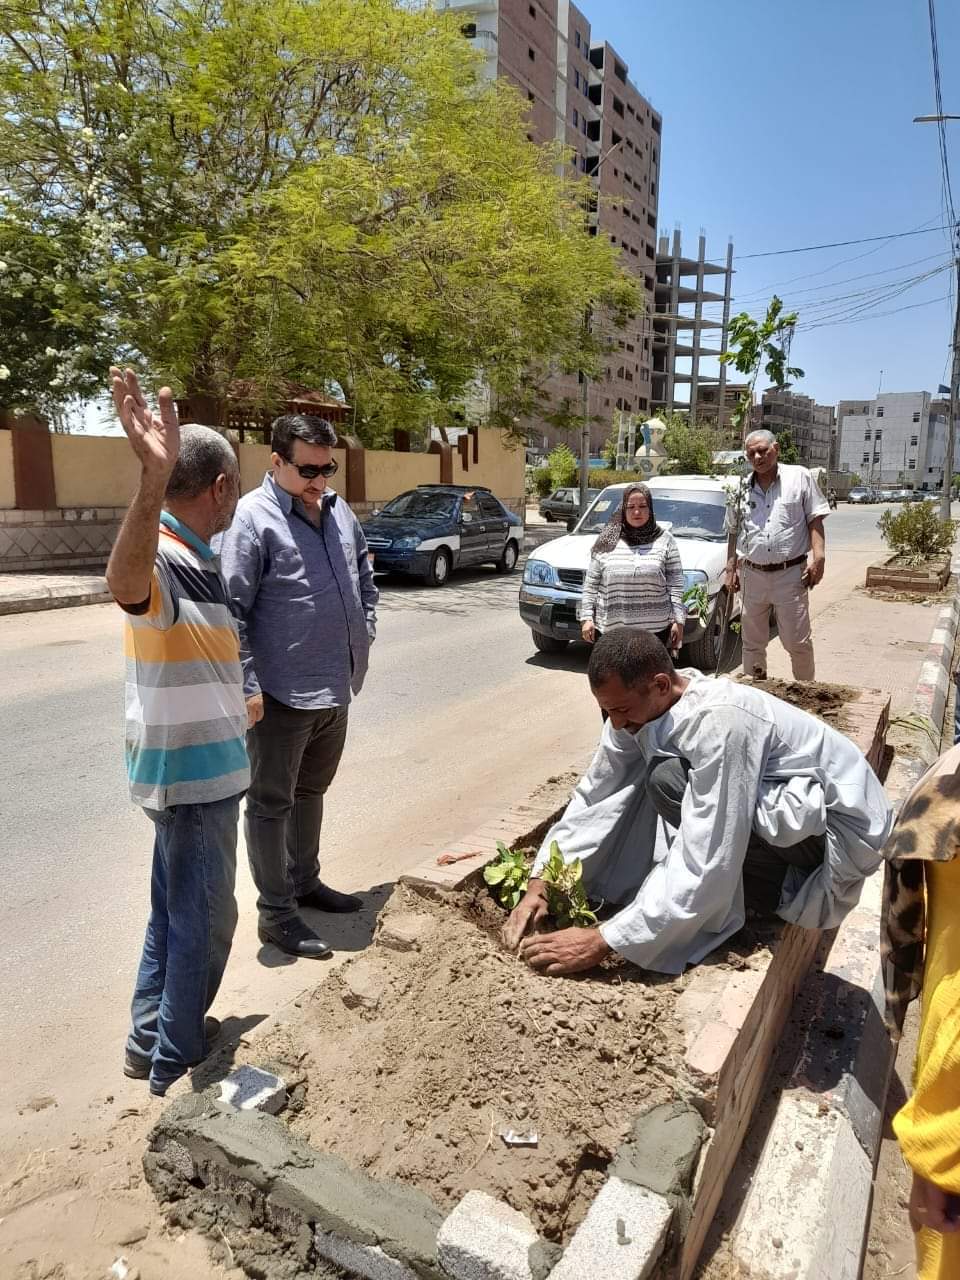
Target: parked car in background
(562, 504)
(888, 495)
(902, 495)
(431, 530)
(692, 508)
(861, 494)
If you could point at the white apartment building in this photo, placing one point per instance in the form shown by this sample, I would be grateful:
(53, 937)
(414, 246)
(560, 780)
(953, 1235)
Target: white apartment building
(895, 440)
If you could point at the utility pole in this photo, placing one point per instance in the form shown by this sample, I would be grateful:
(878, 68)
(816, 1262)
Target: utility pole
(585, 420)
(954, 395)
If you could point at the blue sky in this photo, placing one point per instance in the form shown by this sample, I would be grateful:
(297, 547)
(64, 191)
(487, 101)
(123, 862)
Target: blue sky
(791, 124)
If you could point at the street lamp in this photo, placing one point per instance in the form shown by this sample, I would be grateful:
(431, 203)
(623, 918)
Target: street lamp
(955, 374)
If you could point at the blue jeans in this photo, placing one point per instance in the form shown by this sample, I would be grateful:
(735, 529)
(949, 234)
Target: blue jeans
(193, 914)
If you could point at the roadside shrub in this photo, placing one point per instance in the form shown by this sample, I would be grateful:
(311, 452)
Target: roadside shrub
(542, 482)
(600, 477)
(562, 465)
(917, 533)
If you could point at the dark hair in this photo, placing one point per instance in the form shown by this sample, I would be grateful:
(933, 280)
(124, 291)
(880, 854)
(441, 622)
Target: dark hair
(204, 455)
(297, 426)
(636, 656)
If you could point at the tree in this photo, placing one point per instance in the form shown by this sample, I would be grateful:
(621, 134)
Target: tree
(691, 448)
(756, 344)
(788, 449)
(319, 190)
(562, 465)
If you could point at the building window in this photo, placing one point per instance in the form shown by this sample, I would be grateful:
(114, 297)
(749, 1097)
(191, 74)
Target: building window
(913, 441)
(865, 458)
(916, 415)
(531, 96)
(531, 55)
(533, 11)
(583, 126)
(576, 118)
(866, 434)
(879, 410)
(576, 39)
(620, 71)
(576, 79)
(618, 106)
(912, 464)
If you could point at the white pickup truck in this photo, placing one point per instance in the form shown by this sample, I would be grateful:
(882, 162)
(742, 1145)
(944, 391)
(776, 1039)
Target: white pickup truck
(693, 508)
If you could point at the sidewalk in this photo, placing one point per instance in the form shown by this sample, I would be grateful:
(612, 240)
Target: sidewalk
(28, 592)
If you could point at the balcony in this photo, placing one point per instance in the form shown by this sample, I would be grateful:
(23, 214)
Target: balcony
(487, 41)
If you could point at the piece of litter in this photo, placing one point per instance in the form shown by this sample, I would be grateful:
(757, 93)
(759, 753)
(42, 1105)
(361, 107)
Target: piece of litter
(447, 859)
(514, 1139)
(120, 1268)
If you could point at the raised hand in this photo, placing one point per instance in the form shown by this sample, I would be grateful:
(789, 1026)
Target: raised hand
(154, 435)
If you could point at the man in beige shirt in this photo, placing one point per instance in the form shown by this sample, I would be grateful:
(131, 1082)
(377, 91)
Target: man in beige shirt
(776, 556)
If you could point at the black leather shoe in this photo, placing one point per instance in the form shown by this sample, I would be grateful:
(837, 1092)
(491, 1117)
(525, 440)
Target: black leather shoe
(136, 1067)
(295, 938)
(323, 898)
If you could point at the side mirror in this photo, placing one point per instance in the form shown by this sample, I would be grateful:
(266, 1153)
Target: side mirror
(374, 512)
(571, 523)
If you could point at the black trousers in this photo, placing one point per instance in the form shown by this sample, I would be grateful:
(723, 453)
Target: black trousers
(765, 866)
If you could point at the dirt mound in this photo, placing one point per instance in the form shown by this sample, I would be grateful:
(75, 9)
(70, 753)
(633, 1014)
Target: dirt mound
(823, 700)
(417, 1056)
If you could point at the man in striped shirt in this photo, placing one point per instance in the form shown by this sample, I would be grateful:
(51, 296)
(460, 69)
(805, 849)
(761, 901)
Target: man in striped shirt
(186, 723)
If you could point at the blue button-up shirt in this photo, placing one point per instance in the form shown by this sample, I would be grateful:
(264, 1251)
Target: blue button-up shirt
(303, 595)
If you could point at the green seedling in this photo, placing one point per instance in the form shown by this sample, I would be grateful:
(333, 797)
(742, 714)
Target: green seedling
(697, 602)
(566, 897)
(508, 876)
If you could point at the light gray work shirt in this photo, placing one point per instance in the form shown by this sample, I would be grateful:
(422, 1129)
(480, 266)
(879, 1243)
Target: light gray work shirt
(774, 527)
(303, 596)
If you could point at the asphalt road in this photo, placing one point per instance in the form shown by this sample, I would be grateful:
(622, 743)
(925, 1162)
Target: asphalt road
(458, 717)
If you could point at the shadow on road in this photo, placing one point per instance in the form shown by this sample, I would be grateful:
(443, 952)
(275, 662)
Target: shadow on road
(352, 931)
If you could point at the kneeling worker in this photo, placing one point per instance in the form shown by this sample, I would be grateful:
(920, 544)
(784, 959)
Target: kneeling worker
(765, 806)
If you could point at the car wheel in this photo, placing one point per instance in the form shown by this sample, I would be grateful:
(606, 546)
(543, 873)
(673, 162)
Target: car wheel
(548, 517)
(705, 651)
(508, 558)
(548, 644)
(439, 570)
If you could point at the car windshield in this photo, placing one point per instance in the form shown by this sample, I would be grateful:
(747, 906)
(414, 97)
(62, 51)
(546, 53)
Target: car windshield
(689, 516)
(420, 502)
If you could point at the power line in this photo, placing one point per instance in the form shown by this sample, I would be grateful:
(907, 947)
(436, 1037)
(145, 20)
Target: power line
(834, 244)
(941, 123)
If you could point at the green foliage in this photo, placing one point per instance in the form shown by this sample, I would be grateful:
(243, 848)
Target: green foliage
(609, 452)
(697, 602)
(756, 344)
(691, 448)
(566, 896)
(316, 190)
(917, 533)
(600, 477)
(543, 481)
(509, 875)
(567, 901)
(562, 466)
(788, 450)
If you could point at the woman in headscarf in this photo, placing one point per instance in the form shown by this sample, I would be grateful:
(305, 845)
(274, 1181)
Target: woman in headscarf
(920, 947)
(635, 578)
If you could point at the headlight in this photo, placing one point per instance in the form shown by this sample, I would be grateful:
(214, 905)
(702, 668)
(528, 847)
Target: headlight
(406, 544)
(693, 578)
(538, 573)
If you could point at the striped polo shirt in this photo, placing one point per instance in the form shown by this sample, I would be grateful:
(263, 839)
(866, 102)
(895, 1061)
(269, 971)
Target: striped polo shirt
(186, 717)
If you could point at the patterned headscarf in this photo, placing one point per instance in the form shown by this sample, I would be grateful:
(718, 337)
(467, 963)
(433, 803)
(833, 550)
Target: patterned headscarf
(617, 526)
(927, 830)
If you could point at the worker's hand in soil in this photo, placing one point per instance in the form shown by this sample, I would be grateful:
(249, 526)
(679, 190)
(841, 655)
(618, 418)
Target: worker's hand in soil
(526, 916)
(566, 951)
(932, 1208)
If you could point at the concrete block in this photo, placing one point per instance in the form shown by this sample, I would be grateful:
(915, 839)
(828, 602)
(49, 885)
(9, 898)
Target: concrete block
(621, 1238)
(662, 1151)
(368, 1261)
(484, 1239)
(803, 1218)
(406, 932)
(252, 1089)
(364, 984)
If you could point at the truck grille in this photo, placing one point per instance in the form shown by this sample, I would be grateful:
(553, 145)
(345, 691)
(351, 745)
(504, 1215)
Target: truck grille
(379, 544)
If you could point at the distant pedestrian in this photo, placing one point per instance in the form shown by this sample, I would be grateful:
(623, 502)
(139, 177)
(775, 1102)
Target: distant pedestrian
(297, 570)
(920, 946)
(635, 578)
(778, 557)
(186, 721)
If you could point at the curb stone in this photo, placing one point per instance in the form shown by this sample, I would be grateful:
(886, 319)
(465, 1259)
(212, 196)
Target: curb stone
(807, 1212)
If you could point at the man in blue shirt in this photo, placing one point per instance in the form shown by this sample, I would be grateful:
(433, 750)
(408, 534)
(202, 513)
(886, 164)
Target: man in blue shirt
(296, 566)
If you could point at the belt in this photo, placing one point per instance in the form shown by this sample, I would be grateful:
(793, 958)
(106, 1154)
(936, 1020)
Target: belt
(775, 568)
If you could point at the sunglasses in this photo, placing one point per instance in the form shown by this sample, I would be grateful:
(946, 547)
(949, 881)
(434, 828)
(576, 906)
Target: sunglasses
(310, 472)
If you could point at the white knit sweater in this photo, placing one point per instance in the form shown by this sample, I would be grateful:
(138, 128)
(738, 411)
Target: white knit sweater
(634, 587)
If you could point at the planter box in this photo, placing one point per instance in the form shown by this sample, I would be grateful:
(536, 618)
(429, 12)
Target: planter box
(928, 577)
(247, 1178)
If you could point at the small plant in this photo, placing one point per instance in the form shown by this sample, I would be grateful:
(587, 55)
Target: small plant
(562, 465)
(508, 876)
(566, 897)
(917, 533)
(543, 481)
(697, 602)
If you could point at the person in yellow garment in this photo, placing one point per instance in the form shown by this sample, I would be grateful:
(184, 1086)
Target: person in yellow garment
(921, 949)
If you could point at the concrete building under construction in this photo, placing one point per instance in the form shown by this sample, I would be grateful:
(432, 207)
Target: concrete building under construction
(690, 324)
